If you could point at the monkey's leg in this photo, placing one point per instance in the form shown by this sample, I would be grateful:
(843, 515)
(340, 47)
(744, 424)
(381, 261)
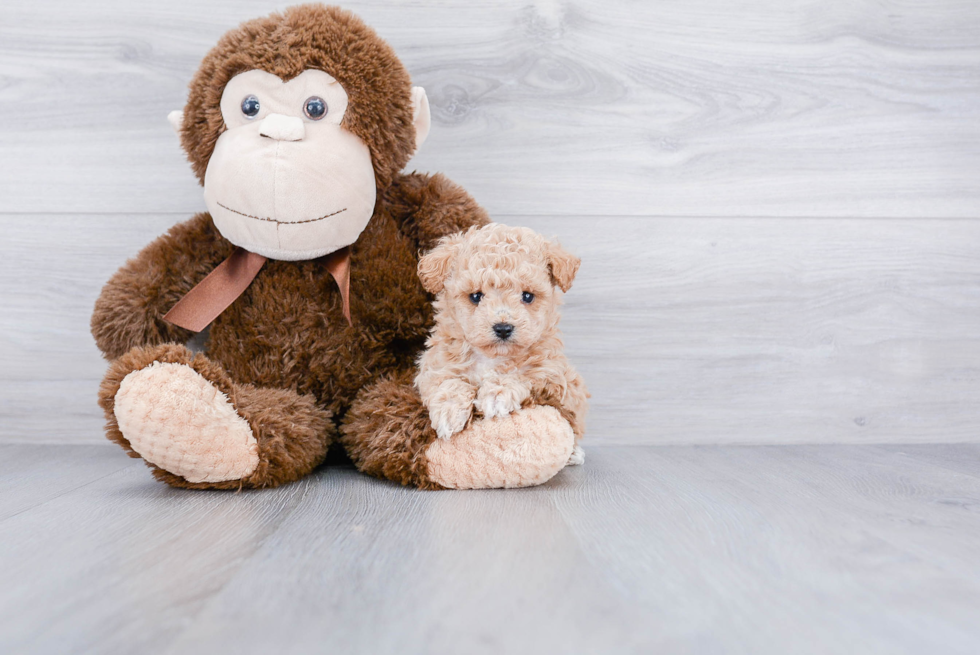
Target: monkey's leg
(196, 428)
(388, 435)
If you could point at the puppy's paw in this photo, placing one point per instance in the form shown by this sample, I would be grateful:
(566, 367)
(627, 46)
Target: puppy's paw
(500, 400)
(577, 458)
(450, 417)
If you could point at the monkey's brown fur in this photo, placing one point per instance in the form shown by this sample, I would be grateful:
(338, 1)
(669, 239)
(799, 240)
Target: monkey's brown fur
(387, 432)
(310, 37)
(289, 427)
(283, 352)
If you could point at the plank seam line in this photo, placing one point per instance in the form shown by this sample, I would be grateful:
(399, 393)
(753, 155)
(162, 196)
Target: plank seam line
(68, 491)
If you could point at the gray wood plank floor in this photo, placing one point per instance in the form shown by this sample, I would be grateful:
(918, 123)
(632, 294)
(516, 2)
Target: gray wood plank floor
(766, 549)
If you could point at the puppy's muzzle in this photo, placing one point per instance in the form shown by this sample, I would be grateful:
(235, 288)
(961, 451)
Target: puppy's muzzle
(503, 330)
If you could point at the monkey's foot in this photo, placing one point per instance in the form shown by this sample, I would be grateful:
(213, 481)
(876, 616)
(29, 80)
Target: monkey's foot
(388, 434)
(177, 420)
(522, 449)
(198, 429)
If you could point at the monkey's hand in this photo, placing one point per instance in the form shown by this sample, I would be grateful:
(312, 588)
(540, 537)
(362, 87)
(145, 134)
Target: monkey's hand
(501, 396)
(129, 311)
(450, 407)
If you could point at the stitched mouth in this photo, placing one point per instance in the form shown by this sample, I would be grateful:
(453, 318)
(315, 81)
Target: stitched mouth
(272, 220)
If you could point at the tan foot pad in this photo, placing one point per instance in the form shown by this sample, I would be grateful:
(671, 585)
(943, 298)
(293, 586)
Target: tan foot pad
(177, 420)
(523, 449)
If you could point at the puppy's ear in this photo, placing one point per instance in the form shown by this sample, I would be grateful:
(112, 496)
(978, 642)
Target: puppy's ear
(562, 265)
(434, 266)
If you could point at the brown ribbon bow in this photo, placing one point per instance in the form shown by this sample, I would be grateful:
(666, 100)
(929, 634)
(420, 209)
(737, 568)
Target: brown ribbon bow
(230, 278)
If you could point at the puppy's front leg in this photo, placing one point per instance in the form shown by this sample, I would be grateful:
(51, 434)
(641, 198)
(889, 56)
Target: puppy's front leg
(450, 406)
(501, 395)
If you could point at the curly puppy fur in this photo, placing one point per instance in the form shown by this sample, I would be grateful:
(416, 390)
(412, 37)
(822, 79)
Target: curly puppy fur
(496, 344)
(283, 352)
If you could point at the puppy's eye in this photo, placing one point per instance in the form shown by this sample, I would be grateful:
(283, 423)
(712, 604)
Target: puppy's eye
(475, 298)
(527, 297)
(250, 106)
(315, 108)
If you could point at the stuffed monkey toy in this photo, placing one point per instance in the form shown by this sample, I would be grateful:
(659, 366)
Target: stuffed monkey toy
(298, 126)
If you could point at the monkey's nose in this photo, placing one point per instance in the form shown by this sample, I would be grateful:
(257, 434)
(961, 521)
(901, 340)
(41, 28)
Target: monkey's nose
(282, 128)
(503, 330)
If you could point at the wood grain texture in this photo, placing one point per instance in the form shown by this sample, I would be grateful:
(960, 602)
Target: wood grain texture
(618, 126)
(776, 549)
(587, 107)
(686, 330)
(30, 477)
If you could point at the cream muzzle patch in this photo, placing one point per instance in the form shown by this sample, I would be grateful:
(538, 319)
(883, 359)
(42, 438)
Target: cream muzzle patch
(286, 181)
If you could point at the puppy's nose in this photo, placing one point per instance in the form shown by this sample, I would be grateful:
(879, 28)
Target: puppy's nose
(503, 330)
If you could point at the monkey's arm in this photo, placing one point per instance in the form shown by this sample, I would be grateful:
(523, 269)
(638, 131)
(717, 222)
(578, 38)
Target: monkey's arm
(428, 207)
(130, 309)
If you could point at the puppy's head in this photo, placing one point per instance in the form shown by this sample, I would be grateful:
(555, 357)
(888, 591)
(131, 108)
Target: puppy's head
(499, 284)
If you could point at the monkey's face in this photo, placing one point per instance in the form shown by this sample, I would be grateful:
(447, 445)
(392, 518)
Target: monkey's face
(285, 180)
(294, 124)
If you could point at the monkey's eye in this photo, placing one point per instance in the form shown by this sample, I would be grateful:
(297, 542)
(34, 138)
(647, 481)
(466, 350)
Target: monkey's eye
(250, 106)
(475, 298)
(315, 108)
(527, 297)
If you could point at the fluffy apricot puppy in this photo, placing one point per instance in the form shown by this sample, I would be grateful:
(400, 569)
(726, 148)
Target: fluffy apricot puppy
(495, 346)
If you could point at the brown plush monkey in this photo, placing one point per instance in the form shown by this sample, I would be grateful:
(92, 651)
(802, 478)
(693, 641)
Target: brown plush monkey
(298, 125)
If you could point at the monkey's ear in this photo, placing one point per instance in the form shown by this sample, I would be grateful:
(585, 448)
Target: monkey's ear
(176, 119)
(435, 265)
(562, 265)
(420, 115)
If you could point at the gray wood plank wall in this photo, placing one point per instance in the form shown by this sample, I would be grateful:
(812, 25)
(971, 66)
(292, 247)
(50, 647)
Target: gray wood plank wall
(776, 203)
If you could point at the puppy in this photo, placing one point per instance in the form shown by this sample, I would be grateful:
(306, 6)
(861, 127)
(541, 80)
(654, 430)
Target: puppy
(496, 346)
